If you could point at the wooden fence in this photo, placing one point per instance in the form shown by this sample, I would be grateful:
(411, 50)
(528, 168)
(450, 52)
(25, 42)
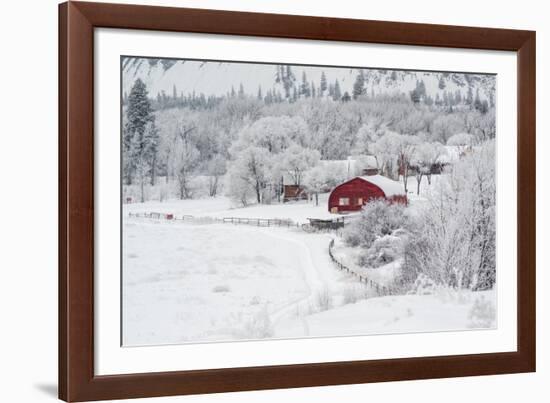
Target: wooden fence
(257, 222)
(381, 290)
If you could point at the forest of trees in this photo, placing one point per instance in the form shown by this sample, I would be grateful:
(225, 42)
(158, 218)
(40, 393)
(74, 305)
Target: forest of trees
(248, 142)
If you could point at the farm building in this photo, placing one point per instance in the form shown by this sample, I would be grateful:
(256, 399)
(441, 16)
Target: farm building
(355, 193)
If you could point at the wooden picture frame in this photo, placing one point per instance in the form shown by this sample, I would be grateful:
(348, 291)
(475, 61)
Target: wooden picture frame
(77, 21)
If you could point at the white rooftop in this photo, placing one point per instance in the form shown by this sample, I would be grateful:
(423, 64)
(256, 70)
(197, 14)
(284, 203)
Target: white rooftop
(388, 186)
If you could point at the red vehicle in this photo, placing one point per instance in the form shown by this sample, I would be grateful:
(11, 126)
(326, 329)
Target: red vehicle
(355, 193)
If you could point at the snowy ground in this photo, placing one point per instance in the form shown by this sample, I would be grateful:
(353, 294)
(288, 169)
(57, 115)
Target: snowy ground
(193, 283)
(222, 206)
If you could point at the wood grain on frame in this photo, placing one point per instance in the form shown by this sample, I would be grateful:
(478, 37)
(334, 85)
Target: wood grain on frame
(77, 381)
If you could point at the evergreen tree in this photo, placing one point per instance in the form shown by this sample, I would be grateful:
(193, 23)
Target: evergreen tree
(477, 102)
(241, 90)
(150, 149)
(359, 85)
(469, 96)
(174, 92)
(422, 88)
(313, 91)
(288, 79)
(441, 83)
(323, 86)
(458, 97)
(304, 87)
(138, 114)
(233, 94)
(415, 96)
(260, 97)
(346, 97)
(337, 92)
(331, 90)
(393, 75)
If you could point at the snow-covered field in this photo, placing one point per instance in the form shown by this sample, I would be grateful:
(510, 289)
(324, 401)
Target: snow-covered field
(222, 206)
(185, 282)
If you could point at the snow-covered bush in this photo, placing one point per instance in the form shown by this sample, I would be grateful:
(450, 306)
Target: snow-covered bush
(383, 250)
(423, 285)
(378, 218)
(482, 315)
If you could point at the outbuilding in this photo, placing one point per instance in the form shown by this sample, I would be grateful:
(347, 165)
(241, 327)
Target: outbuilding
(355, 193)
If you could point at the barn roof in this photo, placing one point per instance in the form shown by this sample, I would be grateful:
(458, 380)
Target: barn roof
(388, 186)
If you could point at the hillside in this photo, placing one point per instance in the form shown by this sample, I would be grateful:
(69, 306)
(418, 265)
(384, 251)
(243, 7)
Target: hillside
(219, 78)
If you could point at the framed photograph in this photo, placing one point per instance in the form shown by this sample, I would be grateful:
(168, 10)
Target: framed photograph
(257, 201)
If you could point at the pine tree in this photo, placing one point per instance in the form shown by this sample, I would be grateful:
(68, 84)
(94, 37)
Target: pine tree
(346, 97)
(174, 92)
(288, 79)
(359, 85)
(150, 149)
(260, 97)
(323, 86)
(458, 97)
(241, 90)
(304, 87)
(138, 115)
(233, 94)
(337, 92)
(278, 74)
(331, 90)
(469, 96)
(477, 102)
(441, 83)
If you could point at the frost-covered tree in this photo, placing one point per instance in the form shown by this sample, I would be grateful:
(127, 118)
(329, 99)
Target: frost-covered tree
(463, 141)
(296, 160)
(215, 168)
(249, 173)
(425, 157)
(445, 126)
(453, 241)
(386, 150)
(406, 146)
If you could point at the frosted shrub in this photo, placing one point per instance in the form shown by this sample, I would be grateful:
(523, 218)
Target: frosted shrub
(384, 250)
(423, 285)
(482, 315)
(323, 300)
(378, 218)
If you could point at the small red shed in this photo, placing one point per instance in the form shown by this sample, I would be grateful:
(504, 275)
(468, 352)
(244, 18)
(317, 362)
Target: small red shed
(355, 193)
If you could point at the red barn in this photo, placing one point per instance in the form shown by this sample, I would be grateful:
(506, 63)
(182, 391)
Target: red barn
(355, 193)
